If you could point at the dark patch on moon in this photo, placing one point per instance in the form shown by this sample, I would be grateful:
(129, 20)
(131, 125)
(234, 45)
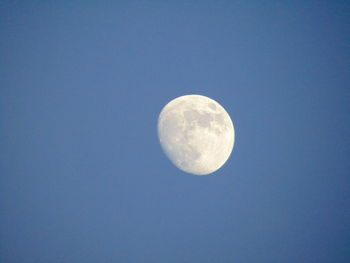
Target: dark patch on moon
(194, 117)
(205, 120)
(219, 118)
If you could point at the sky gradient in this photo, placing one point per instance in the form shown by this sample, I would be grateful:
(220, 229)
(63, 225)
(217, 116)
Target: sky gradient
(83, 177)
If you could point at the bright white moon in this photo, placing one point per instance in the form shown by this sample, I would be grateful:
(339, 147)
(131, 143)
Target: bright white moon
(196, 133)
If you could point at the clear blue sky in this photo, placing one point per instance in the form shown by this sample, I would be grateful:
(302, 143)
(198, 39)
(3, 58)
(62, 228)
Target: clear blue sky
(83, 177)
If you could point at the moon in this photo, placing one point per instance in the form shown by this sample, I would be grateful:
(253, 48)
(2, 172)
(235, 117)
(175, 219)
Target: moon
(196, 133)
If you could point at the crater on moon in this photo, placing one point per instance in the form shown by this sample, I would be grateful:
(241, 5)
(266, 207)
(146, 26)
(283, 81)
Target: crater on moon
(196, 133)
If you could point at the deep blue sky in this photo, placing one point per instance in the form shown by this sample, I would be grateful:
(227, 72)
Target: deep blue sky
(83, 177)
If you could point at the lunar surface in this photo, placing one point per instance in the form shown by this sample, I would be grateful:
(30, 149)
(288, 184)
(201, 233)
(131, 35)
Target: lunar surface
(196, 133)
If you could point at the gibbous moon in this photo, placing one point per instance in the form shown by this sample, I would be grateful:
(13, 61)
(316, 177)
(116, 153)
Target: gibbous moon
(196, 133)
